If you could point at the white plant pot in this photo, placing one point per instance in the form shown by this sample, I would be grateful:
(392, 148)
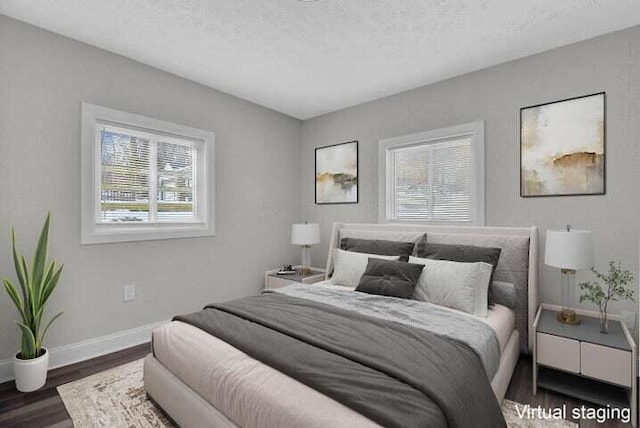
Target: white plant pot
(31, 374)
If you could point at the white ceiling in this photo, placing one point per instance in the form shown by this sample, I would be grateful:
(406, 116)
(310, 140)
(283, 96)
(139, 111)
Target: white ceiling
(306, 59)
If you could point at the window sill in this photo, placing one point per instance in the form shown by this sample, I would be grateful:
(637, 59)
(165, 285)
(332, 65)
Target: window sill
(105, 234)
(437, 222)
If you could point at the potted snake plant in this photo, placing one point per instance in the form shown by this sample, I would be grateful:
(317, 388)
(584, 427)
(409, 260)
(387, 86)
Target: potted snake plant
(35, 285)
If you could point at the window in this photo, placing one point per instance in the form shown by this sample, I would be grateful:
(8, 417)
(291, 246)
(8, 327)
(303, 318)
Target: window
(144, 178)
(435, 176)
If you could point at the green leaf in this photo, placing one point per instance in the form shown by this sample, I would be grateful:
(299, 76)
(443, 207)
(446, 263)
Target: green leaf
(15, 297)
(22, 277)
(44, 333)
(37, 318)
(45, 281)
(51, 285)
(29, 348)
(40, 257)
(28, 303)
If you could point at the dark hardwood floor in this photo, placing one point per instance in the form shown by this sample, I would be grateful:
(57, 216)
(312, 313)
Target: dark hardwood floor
(44, 408)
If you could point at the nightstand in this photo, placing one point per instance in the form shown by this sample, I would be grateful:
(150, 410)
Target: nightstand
(273, 280)
(580, 361)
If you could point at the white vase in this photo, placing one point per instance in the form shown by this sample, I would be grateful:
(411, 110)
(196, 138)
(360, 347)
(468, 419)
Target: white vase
(31, 375)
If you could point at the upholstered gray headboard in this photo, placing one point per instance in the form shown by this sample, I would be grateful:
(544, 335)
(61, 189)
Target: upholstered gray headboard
(518, 262)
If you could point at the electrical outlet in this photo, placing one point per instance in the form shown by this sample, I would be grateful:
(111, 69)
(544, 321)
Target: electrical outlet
(128, 293)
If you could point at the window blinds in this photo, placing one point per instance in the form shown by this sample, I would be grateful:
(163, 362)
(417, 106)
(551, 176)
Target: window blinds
(431, 181)
(175, 166)
(145, 177)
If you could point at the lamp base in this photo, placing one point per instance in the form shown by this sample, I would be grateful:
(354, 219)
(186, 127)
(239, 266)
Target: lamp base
(568, 316)
(306, 260)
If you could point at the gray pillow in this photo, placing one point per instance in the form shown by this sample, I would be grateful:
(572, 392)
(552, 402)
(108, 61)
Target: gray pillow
(465, 254)
(378, 246)
(504, 293)
(390, 278)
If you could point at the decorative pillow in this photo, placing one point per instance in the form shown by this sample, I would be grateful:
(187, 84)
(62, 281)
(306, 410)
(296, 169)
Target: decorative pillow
(378, 246)
(456, 285)
(418, 238)
(504, 293)
(390, 278)
(466, 254)
(349, 266)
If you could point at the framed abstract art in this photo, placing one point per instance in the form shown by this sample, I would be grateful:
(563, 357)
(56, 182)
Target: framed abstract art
(336, 180)
(562, 147)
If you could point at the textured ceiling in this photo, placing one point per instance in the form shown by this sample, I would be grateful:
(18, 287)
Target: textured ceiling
(306, 59)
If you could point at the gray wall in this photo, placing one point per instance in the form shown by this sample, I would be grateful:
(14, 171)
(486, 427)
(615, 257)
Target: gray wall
(261, 164)
(43, 79)
(610, 63)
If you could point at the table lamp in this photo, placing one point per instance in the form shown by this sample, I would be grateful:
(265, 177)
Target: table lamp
(305, 235)
(569, 250)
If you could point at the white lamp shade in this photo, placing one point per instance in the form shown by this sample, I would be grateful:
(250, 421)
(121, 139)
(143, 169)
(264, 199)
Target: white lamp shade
(569, 249)
(305, 234)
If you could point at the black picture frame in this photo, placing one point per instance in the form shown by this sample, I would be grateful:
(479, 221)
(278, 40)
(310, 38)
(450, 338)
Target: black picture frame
(357, 177)
(604, 147)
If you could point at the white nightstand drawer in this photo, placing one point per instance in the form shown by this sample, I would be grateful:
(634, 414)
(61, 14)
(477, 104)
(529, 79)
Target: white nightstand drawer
(558, 352)
(608, 364)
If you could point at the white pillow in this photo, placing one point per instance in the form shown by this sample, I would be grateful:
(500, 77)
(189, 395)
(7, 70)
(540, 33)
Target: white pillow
(348, 266)
(461, 286)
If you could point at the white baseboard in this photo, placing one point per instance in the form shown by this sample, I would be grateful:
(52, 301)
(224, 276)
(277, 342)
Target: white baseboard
(80, 351)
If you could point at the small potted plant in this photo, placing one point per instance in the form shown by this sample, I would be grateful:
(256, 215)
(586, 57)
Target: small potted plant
(616, 287)
(36, 283)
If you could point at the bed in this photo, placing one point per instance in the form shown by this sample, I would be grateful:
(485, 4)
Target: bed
(202, 380)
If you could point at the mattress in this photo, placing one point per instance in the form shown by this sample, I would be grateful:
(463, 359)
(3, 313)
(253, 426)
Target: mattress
(243, 388)
(503, 321)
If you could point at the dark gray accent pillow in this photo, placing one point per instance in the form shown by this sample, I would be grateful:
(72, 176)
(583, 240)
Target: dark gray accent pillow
(390, 278)
(465, 254)
(504, 293)
(379, 247)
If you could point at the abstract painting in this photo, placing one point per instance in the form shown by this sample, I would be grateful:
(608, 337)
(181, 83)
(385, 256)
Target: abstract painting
(337, 174)
(562, 147)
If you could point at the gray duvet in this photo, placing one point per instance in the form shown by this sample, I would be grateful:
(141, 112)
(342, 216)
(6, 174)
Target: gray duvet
(394, 374)
(443, 322)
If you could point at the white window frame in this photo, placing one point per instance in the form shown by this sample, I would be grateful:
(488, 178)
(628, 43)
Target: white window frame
(474, 130)
(95, 232)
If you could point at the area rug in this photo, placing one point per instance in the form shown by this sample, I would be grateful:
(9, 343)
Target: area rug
(116, 398)
(112, 398)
